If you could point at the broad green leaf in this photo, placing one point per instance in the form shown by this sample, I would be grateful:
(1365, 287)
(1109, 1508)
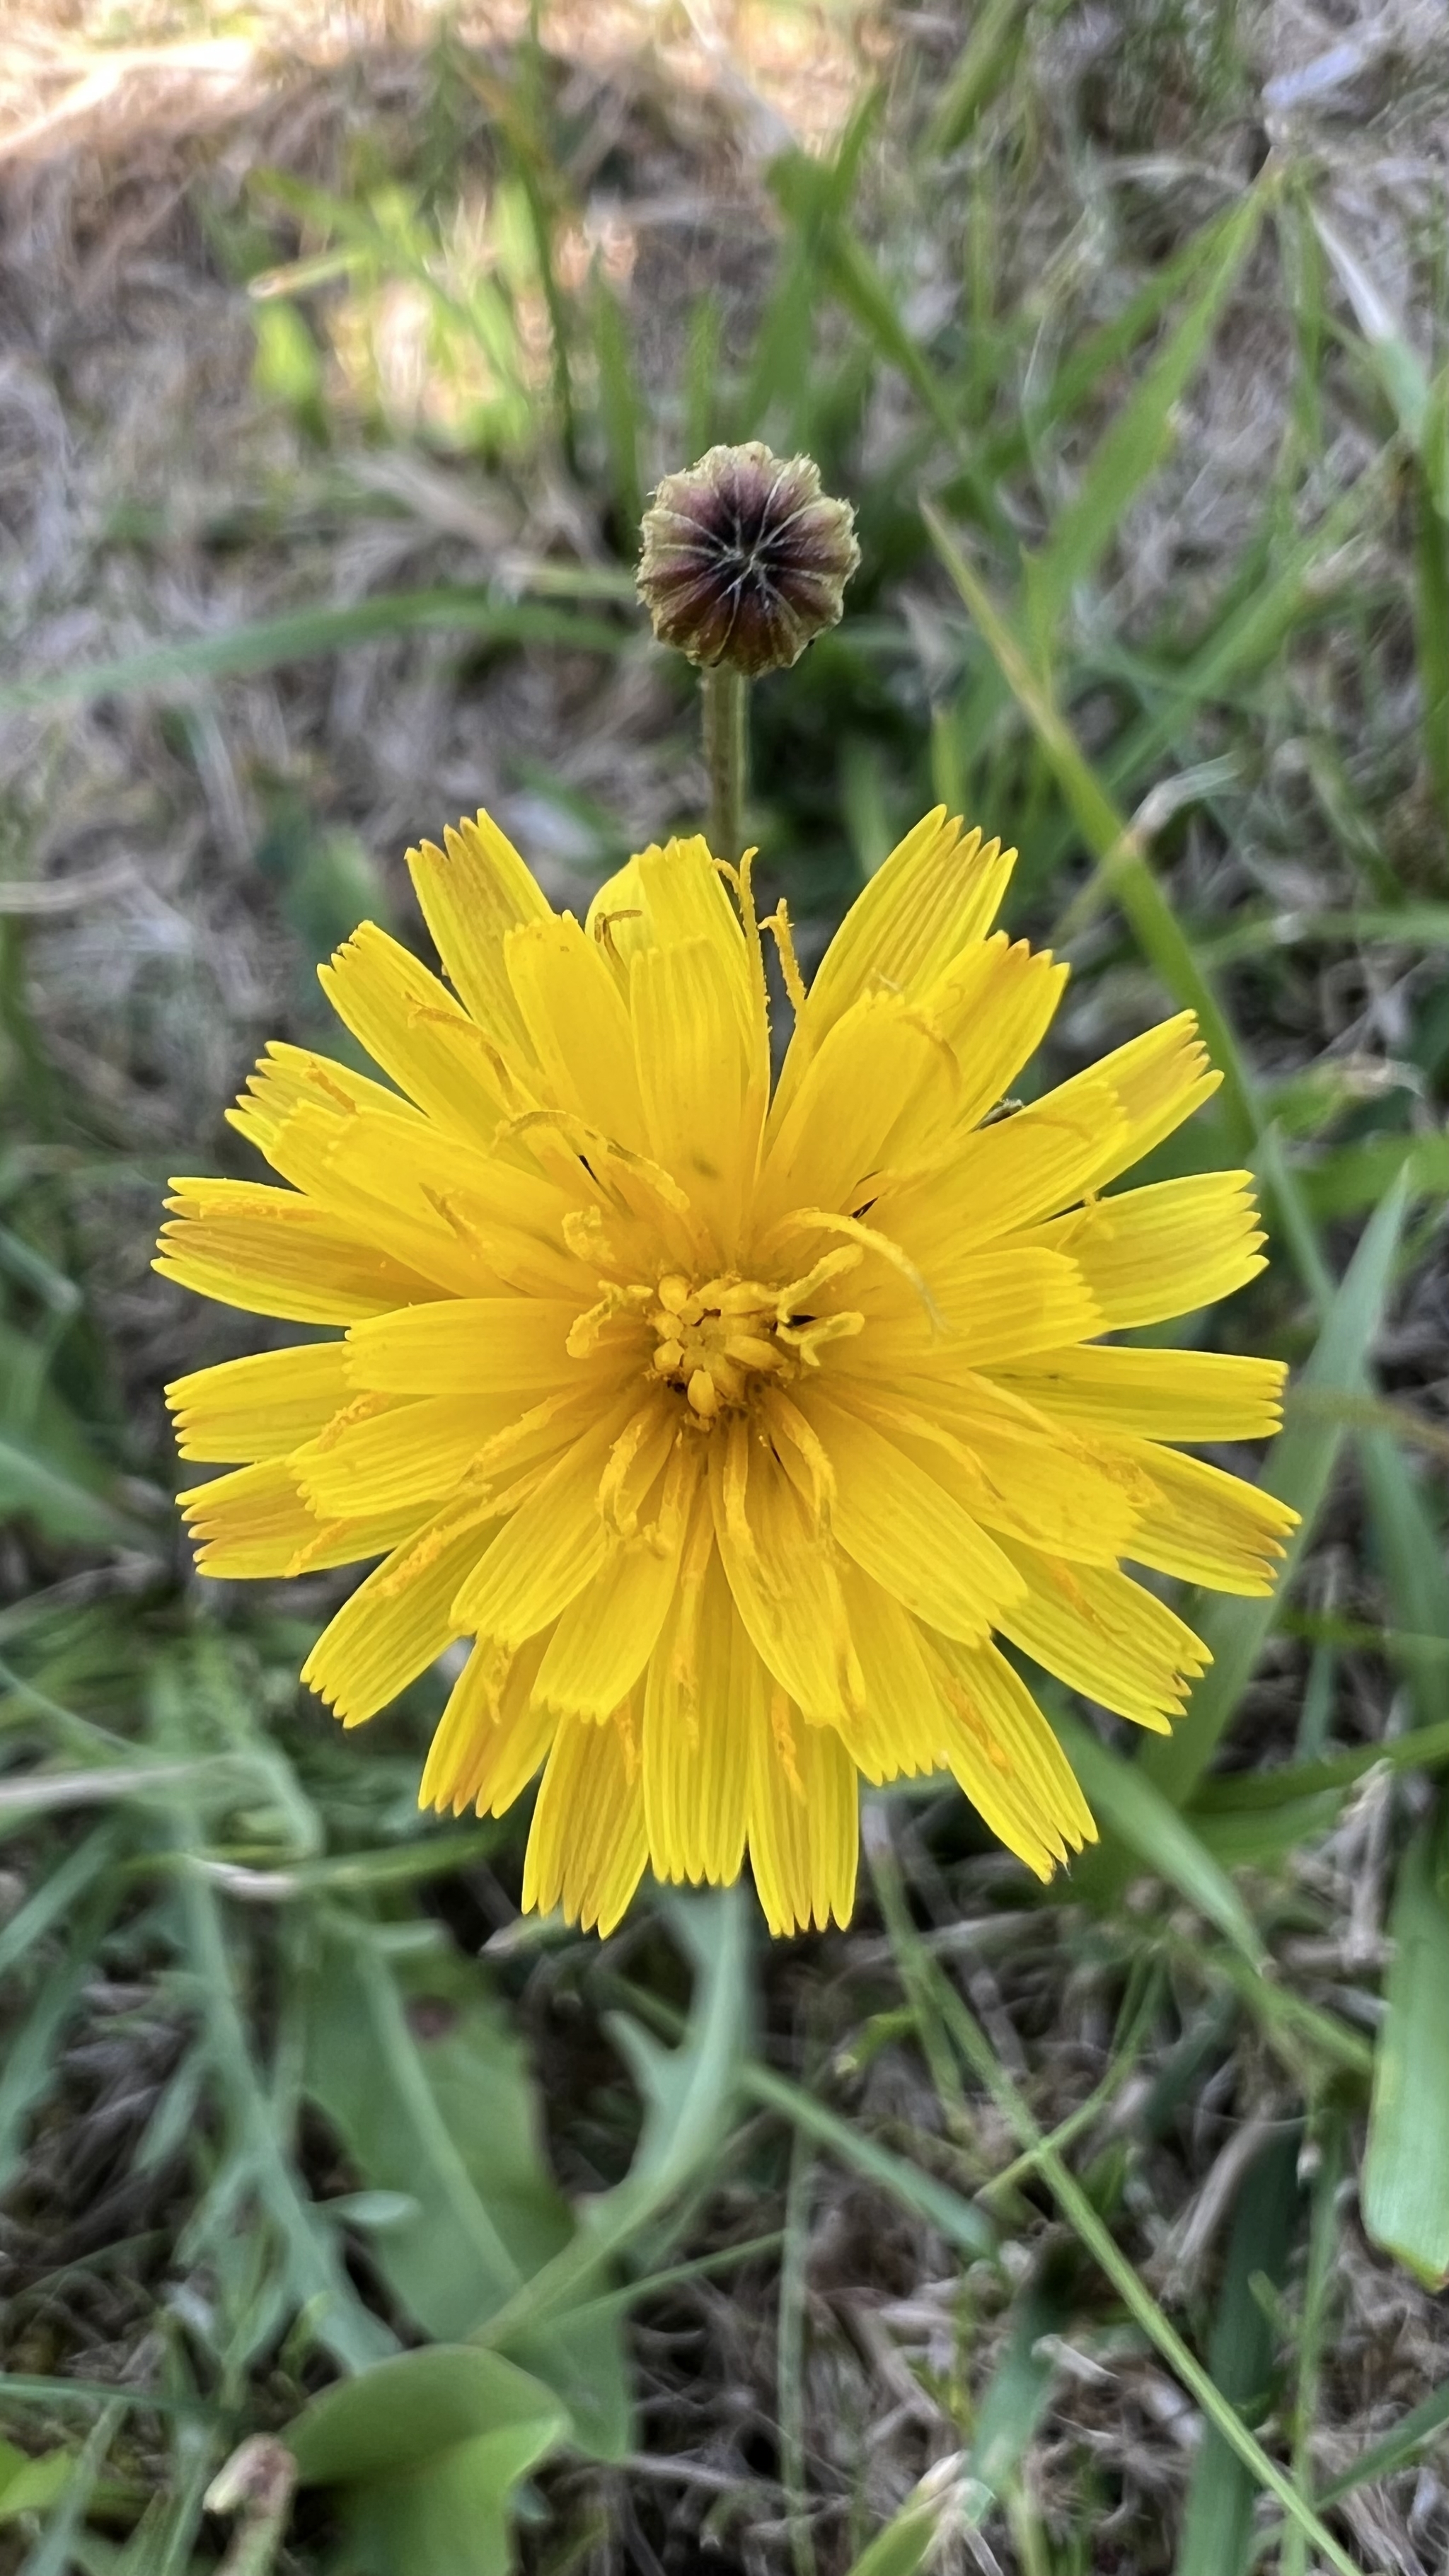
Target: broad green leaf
(688, 2093)
(1406, 2175)
(31, 2483)
(1217, 2531)
(427, 2450)
(1162, 1841)
(420, 2071)
(386, 2043)
(1299, 1469)
(407, 2409)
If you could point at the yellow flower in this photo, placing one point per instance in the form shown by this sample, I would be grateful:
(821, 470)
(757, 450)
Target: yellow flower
(733, 1430)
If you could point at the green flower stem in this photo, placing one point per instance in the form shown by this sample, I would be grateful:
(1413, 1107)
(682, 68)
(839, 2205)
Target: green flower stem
(725, 752)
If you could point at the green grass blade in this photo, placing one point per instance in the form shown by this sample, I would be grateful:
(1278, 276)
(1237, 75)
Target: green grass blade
(1087, 2223)
(31, 2047)
(303, 633)
(1160, 1840)
(1217, 2529)
(1130, 451)
(1406, 2176)
(621, 405)
(924, 2520)
(1396, 2449)
(981, 69)
(1416, 1577)
(1432, 637)
(1117, 846)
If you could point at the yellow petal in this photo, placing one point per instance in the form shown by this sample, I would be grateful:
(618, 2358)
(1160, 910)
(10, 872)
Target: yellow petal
(273, 1252)
(254, 1523)
(286, 1077)
(905, 1531)
(555, 1543)
(467, 1346)
(382, 1456)
(371, 1174)
(706, 1692)
(993, 1008)
(1206, 1526)
(898, 1732)
(1003, 1177)
(995, 1708)
(393, 1627)
(470, 899)
(880, 1095)
(1104, 1635)
(411, 1026)
(490, 1738)
(587, 1848)
(1159, 1079)
(1028, 1480)
(1163, 1395)
(259, 1407)
(1149, 1254)
(933, 896)
(984, 1308)
(702, 1109)
(804, 1820)
(978, 1756)
(607, 1634)
(781, 1573)
(578, 1025)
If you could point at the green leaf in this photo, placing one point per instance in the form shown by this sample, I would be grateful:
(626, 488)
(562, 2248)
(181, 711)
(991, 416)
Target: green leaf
(1406, 2178)
(1299, 1469)
(688, 2093)
(1217, 2532)
(1016, 2396)
(932, 2511)
(428, 2449)
(1410, 1550)
(303, 633)
(1160, 1839)
(31, 2483)
(1130, 451)
(419, 2069)
(1355, 1177)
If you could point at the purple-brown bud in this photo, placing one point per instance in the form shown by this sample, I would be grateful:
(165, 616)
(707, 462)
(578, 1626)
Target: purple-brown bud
(745, 559)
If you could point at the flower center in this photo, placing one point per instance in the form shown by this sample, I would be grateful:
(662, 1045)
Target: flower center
(718, 1341)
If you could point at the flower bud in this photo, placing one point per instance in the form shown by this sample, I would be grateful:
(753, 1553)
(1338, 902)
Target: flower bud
(745, 559)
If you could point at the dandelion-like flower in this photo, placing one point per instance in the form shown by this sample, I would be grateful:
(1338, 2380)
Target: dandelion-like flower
(738, 1433)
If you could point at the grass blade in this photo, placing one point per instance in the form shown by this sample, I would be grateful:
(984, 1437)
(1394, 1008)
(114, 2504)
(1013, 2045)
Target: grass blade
(1217, 2530)
(1406, 2180)
(305, 632)
(1130, 451)
(1161, 1840)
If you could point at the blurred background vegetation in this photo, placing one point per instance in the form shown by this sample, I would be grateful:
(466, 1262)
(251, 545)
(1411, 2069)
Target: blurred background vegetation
(1046, 2233)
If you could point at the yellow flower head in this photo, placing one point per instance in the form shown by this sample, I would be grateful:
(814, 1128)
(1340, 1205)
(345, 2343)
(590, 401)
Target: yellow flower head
(732, 1430)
